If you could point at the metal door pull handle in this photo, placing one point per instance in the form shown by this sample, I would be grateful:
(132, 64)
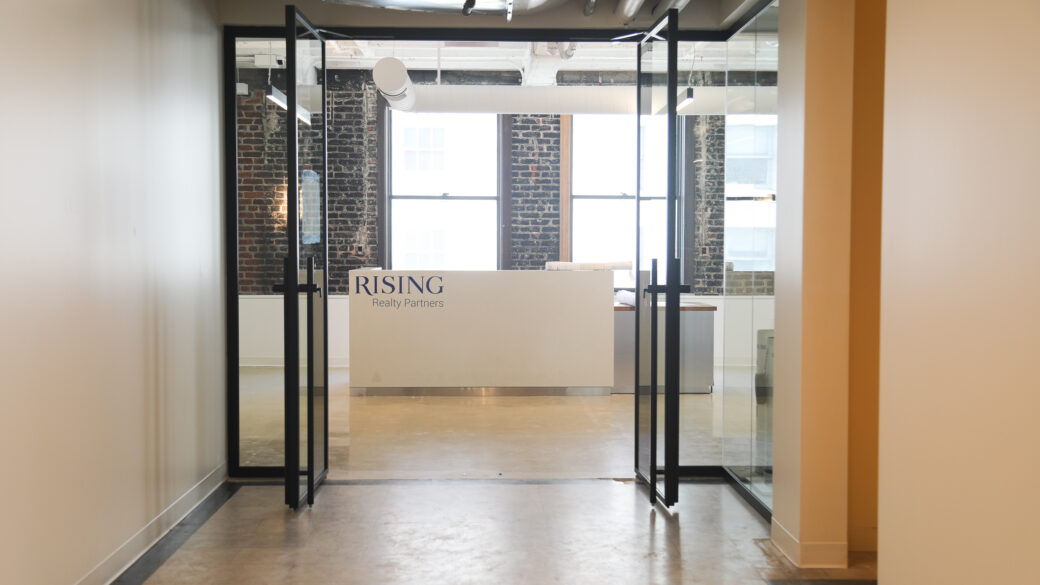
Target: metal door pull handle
(300, 288)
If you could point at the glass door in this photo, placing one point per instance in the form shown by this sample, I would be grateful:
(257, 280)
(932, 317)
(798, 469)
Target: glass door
(657, 265)
(305, 276)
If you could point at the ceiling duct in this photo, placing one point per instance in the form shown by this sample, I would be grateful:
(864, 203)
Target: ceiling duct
(543, 62)
(505, 99)
(391, 78)
(664, 5)
(627, 9)
(504, 7)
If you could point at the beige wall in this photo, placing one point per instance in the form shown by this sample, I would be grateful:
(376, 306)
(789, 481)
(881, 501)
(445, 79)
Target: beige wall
(865, 279)
(959, 397)
(812, 288)
(112, 356)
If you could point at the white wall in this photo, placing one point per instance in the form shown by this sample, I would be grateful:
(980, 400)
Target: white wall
(112, 343)
(508, 328)
(737, 322)
(260, 328)
(959, 385)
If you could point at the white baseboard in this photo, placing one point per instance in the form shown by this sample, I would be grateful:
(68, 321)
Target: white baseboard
(785, 541)
(107, 570)
(809, 555)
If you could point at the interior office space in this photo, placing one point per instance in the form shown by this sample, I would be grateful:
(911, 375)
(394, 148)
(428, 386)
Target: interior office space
(115, 362)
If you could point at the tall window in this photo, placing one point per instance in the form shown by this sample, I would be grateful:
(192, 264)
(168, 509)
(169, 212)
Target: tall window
(751, 191)
(603, 187)
(443, 191)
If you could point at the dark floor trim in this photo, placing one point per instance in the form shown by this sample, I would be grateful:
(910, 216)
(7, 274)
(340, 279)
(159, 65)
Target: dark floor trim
(748, 496)
(475, 480)
(455, 480)
(702, 472)
(161, 551)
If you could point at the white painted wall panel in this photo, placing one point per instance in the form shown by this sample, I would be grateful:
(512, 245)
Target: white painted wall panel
(507, 329)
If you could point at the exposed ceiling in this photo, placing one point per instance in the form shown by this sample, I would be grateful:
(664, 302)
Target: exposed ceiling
(613, 16)
(747, 52)
(538, 63)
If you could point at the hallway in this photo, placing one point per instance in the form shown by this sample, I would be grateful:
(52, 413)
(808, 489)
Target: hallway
(492, 489)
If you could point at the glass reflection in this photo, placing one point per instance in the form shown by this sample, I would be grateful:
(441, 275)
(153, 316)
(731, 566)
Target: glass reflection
(750, 244)
(261, 234)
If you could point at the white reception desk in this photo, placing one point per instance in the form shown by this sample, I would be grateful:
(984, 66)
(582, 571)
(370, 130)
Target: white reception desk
(477, 329)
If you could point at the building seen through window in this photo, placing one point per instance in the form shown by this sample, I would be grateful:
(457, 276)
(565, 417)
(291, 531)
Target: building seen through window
(603, 226)
(443, 191)
(751, 192)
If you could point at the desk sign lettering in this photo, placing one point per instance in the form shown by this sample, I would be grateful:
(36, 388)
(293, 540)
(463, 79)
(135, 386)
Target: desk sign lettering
(401, 292)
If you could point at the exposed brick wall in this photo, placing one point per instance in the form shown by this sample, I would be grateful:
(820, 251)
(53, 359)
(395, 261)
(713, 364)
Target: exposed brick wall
(352, 105)
(354, 189)
(747, 282)
(261, 192)
(704, 182)
(354, 175)
(535, 180)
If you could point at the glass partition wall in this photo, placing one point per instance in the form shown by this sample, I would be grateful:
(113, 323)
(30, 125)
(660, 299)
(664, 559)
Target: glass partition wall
(727, 186)
(260, 80)
(750, 244)
(725, 180)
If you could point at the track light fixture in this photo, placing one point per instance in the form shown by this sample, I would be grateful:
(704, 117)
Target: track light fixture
(276, 96)
(686, 99)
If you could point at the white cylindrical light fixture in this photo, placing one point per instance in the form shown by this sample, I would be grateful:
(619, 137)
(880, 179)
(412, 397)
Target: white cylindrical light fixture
(391, 77)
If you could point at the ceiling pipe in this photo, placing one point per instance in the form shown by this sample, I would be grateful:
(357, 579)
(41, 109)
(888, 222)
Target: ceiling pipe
(504, 7)
(664, 5)
(627, 9)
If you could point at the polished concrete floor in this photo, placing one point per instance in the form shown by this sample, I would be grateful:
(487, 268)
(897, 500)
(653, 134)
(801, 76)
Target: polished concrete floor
(497, 490)
(409, 437)
(485, 531)
(533, 436)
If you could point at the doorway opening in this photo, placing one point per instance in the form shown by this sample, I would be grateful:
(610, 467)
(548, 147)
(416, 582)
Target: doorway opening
(560, 191)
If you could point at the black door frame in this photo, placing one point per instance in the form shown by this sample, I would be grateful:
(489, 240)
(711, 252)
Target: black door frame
(297, 27)
(231, 34)
(667, 25)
